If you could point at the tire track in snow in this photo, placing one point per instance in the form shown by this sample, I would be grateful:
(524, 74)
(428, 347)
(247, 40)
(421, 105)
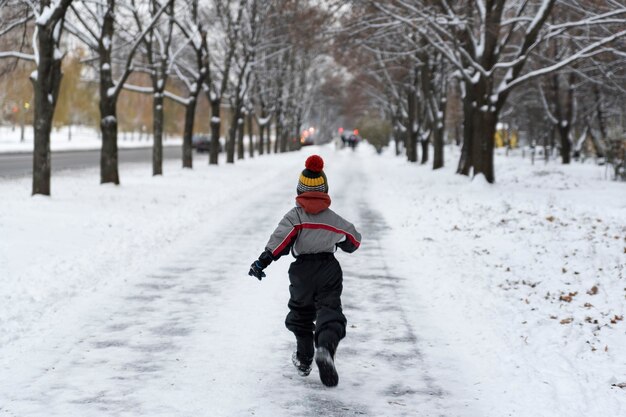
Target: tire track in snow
(382, 371)
(381, 349)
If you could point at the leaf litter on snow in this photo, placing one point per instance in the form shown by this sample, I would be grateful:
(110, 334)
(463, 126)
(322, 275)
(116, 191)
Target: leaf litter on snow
(533, 260)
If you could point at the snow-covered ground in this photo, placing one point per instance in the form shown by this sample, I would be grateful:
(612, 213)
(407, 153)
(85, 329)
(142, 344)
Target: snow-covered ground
(523, 282)
(79, 138)
(465, 299)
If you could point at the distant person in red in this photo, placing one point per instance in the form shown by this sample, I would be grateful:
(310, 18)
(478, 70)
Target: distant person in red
(313, 232)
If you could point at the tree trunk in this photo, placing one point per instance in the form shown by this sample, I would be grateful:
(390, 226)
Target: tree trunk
(157, 128)
(230, 144)
(240, 133)
(108, 105)
(284, 133)
(250, 136)
(190, 114)
(425, 145)
(46, 87)
(269, 137)
(411, 145)
(215, 132)
(232, 137)
(566, 143)
(438, 146)
(465, 162)
(482, 150)
(279, 133)
(108, 126)
(601, 124)
(261, 139)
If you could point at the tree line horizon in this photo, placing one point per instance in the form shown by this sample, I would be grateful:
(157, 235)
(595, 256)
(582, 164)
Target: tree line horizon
(418, 72)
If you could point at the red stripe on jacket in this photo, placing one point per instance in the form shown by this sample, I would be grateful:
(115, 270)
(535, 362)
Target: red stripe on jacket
(322, 226)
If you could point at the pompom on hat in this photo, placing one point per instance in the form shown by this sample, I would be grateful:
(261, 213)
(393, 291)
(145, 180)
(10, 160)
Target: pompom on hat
(313, 177)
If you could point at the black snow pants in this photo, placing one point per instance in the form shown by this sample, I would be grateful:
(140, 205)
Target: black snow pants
(315, 315)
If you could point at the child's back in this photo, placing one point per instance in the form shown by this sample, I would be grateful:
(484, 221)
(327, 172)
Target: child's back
(318, 229)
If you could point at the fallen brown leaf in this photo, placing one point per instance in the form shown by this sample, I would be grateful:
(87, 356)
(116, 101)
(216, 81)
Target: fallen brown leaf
(567, 320)
(593, 290)
(568, 297)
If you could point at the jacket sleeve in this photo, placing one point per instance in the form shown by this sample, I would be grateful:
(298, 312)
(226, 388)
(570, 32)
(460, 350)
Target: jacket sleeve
(352, 239)
(284, 236)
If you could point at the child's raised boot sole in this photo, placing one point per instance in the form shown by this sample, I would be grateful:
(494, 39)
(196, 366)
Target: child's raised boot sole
(326, 366)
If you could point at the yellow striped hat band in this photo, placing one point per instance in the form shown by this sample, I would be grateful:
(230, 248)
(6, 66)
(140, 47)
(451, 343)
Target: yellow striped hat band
(312, 182)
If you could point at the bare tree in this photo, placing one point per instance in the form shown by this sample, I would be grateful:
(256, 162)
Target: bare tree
(193, 72)
(488, 45)
(48, 31)
(96, 23)
(156, 47)
(222, 52)
(243, 59)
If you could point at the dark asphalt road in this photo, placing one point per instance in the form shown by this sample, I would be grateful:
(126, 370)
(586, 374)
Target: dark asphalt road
(17, 165)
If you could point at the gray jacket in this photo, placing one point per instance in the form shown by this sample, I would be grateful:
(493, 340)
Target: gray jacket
(305, 233)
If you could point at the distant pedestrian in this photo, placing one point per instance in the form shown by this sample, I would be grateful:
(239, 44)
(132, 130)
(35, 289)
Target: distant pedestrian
(313, 232)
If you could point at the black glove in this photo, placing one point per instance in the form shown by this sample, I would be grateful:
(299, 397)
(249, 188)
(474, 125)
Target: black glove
(256, 270)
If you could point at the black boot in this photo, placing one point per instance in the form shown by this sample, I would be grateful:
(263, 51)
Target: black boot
(326, 365)
(302, 365)
(305, 346)
(302, 358)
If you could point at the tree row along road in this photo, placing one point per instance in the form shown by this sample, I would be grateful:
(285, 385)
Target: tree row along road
(21, 164)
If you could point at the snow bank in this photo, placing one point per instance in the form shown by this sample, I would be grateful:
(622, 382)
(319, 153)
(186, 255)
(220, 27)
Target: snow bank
(82, 138)
(519, 287)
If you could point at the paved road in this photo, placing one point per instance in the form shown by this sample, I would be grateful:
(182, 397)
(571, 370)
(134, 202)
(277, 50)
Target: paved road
(17, 165)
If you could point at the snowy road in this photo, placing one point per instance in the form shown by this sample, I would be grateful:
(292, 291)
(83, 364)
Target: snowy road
(195, 336)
